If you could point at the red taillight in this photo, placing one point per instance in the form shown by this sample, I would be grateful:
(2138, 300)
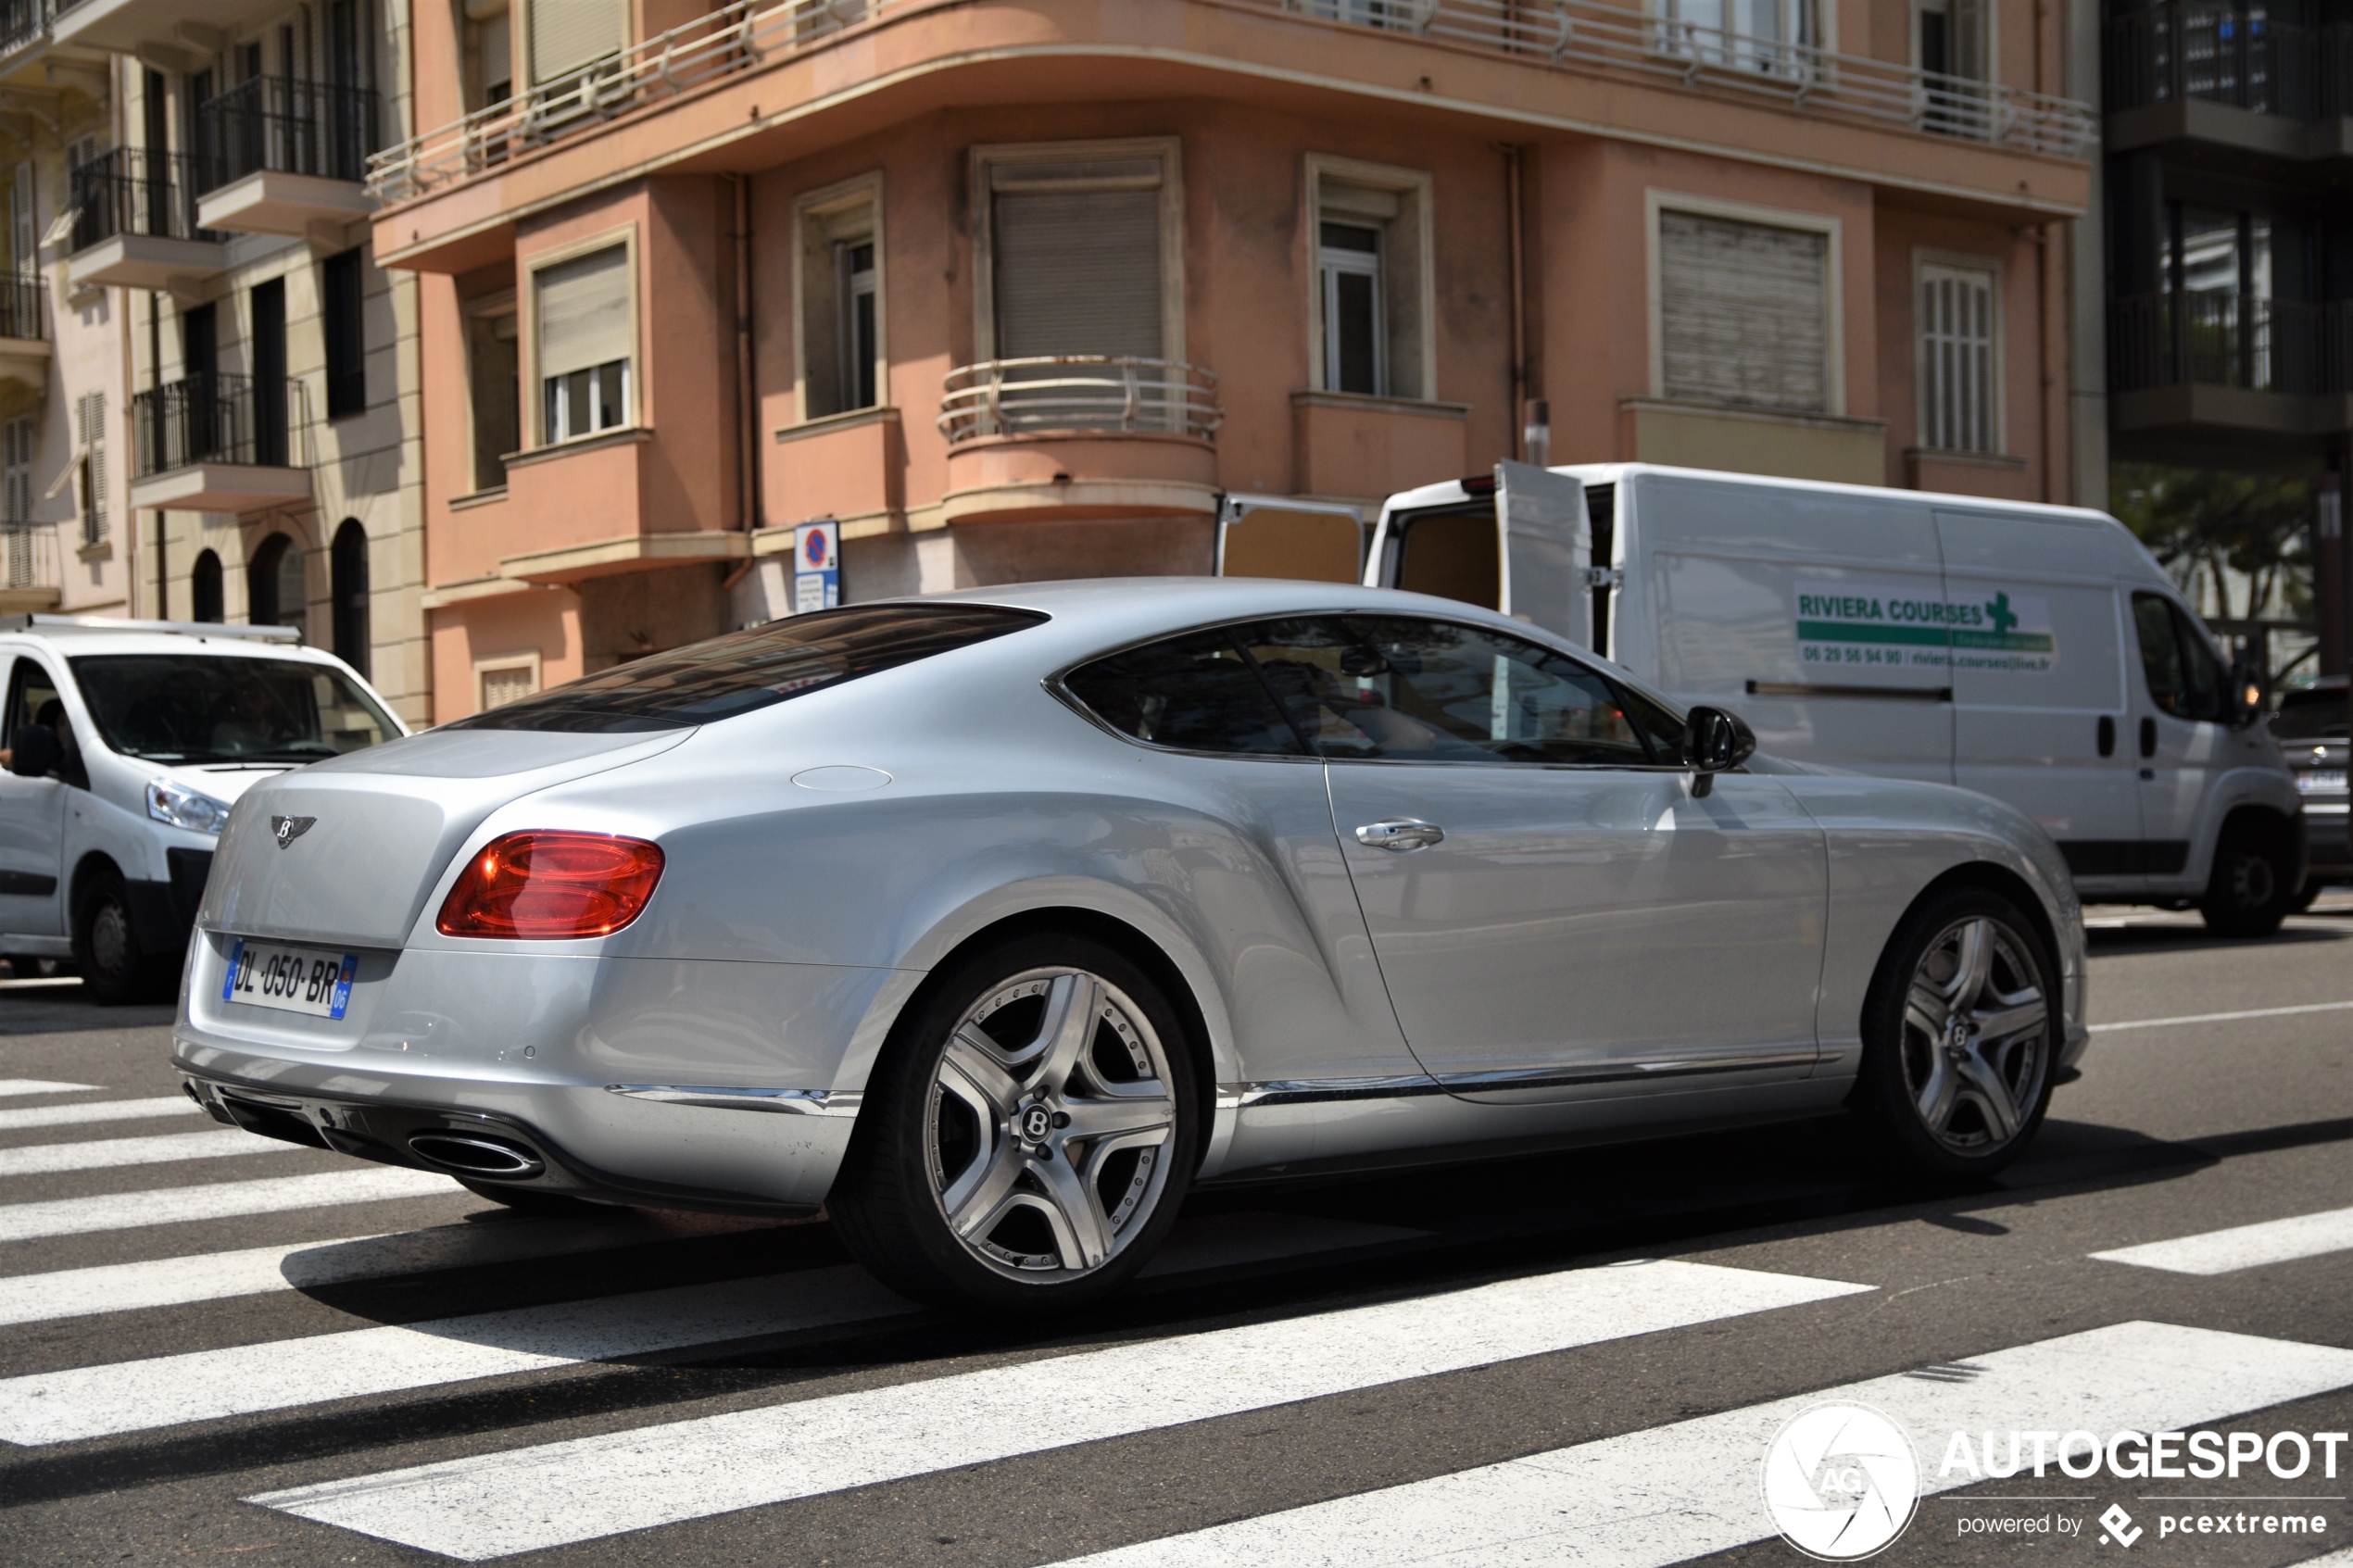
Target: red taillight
(548, 886)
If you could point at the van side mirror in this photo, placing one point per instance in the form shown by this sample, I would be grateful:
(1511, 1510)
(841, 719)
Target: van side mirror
(2247, 694)
(35, 753)
(1715, 742)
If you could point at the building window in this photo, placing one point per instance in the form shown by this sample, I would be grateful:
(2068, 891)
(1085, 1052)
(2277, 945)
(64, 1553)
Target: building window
(1082, 253)
(490, 53)
(1369, 316)
(90, 464)
(1761, 35)
(503, 681)
(15, 470)
(584, 345)
(1746, 312)
(1959, 358)
(339, 311)
(493, 372)
(347, 568)
(204, 588)
(568, 39)
(1951, 40)
(838, 277)
(24, 233)
(277, 592)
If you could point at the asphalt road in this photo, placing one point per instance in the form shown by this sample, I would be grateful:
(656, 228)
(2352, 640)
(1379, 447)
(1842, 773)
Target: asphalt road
(1432, 1367)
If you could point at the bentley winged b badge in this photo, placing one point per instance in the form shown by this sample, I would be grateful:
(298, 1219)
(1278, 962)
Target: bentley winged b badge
(288, 829)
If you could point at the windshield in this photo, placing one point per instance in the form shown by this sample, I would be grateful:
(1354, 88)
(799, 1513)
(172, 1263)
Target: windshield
(2310, 716)
(746, 669)
(198, 709)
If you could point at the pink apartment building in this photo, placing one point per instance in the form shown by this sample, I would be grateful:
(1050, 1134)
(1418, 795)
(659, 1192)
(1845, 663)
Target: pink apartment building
(1015, 289)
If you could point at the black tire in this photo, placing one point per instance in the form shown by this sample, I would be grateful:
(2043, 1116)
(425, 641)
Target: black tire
(2305, 895)
(2248, 892)
(105, 948)
(532, 1200)
(1998, 1067)
(1042, 1236)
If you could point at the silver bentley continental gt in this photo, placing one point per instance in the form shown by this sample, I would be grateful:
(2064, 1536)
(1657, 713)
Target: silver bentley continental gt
(997, 922)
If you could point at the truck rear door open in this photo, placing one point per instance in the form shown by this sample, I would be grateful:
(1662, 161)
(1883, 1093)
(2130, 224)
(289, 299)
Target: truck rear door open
(1282, 536)
(1519, 543)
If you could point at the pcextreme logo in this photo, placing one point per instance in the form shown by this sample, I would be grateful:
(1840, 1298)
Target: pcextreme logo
(1841, 1482)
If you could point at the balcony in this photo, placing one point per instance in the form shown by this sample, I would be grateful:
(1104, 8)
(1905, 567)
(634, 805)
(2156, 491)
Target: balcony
(24, 332)
(134, 224)
(279, 157)
(2205, 364)
(2189, 72)
(191, 29)
(1072, 435)
(220, 443)
(1586, 37)
(29, 562)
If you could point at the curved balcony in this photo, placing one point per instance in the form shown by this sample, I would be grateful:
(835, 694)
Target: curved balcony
(1079, 435)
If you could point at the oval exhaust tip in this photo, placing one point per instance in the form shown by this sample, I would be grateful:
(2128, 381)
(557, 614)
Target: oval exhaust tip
(477, 1155)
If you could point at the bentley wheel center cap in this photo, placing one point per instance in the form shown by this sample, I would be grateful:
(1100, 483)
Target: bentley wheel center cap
(1035, 1122)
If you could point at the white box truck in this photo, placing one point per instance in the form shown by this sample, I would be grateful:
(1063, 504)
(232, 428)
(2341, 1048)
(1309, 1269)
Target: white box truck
(2036, 653)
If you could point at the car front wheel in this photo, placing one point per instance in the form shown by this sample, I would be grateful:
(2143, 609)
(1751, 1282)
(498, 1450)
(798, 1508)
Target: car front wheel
(1960, 1038)
(1029, 1133)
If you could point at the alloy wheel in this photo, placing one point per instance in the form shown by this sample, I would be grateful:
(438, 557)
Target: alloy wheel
(1048, 1125)
(1976, 1036)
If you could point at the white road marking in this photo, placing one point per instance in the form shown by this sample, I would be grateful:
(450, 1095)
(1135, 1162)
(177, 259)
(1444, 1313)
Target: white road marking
(1690, 1489)
(2243, 1246)
(2221, 1016)
(165, 1390)
(218, 1200)
(496, 1503)
(96, 1111)
(99, 1154)
(41, 1086)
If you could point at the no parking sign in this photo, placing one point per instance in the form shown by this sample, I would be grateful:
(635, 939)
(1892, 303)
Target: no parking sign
(816, 566)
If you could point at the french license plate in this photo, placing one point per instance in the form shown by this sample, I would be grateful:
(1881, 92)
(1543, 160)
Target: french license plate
(2321, 781)
(311, 980)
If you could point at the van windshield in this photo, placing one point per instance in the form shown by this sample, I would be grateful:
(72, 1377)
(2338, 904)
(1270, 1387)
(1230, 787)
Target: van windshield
(200, 709)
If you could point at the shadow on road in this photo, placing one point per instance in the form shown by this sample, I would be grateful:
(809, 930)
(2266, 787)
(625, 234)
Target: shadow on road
(58, 1007)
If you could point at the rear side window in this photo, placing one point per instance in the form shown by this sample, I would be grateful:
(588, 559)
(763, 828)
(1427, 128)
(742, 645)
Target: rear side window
(744, 670)
(2185, 678)
(1194, 692)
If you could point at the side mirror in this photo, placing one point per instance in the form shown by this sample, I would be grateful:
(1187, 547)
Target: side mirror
(2246, 694)
(1715, 742)
(35, 753)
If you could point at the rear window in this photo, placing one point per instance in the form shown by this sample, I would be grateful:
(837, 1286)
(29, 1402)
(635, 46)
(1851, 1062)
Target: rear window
(744, 670)
(2310, 716)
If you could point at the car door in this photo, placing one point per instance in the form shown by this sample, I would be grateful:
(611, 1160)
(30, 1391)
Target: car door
(2181, 729)
(2040, 708)
(32, 814)
(1555, 916)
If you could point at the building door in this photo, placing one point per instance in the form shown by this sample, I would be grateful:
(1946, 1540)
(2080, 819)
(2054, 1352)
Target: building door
(201, 362)
(270, 435)
(347, 567)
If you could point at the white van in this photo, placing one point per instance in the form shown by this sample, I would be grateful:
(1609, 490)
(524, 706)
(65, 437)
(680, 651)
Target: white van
(2038, 654)
(123, 746)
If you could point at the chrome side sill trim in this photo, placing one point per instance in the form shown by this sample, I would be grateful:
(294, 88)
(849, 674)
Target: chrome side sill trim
(1309, 1091)
(1629, 1072)
(790, 1103)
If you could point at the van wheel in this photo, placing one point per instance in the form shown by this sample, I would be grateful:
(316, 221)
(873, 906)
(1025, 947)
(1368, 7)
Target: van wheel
(106, 946)
(2303, 900)
(2249, 893)
(1028, 1135)
(1959, 1040)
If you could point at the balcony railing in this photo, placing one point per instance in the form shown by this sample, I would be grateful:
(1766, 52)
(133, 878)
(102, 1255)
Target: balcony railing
(1584, 35)
(133, 190)
(2175, 51)
(23, 23)
(268, 122)
(24, 309)
(2213, 338)
(1086, 393)
(220, 419)
(29, 554)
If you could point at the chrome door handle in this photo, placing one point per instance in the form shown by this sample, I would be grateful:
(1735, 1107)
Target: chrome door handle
(1401, 833)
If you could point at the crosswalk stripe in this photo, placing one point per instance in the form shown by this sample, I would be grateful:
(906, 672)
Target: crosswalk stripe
(41, 1086)
(96, 1111)
(99, 1154)
(1216, 1242)
(2243, 1246)
(494, 1504)
(165, 1390)
(217, 1201)
(1671, 1493)
(2221, 1017)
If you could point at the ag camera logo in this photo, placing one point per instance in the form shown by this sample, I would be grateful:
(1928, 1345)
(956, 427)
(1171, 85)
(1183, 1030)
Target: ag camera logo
(1841, 1482)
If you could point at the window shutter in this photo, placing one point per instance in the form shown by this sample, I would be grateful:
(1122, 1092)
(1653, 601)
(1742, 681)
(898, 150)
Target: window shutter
(568, 34)
(583, 313)
(1956, 360)
(1744, 312)
(1077, 271)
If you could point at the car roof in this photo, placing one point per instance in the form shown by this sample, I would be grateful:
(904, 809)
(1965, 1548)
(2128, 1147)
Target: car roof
(94, 636)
